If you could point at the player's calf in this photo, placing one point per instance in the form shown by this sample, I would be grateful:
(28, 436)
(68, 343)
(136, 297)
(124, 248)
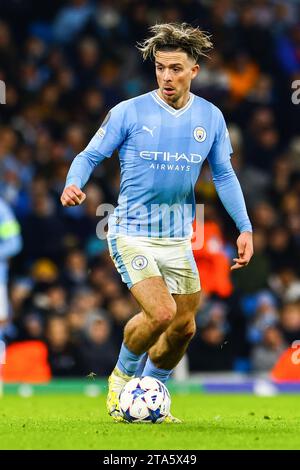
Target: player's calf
(172, 344)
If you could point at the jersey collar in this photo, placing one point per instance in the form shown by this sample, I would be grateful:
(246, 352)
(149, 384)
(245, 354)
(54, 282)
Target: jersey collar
(167, 107)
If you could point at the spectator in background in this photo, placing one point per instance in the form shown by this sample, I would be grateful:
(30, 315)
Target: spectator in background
(85, 300)
(288, 46)
(61, 352)
(9, 174)
(265, 354)
(286, 284)
(210, 350)
(211, 259)
(71, 20)
(44, 273)
(262, 139)
(85, 227)
(56, 300)
(265, 316)
(280, 250)
(97, 352)
(112, 289)
(10, 245)
(120, 310)
(35, 299)
(87, 61)
(243, 75)
(256, 275)
(290, 321)
(255, 183)
(31, 327)
(43, 230)
(75, 271)
(213, 81)
(46, 301)
(281, 176)
(20, 292)
(265, 216)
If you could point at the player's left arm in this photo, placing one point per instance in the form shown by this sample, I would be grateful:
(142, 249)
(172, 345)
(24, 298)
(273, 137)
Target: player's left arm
(230, 192)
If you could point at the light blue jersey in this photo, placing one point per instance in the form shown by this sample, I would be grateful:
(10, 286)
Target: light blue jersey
(161, 152)
(10, 239)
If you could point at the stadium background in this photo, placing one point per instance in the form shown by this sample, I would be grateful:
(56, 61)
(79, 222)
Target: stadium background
(65, 64)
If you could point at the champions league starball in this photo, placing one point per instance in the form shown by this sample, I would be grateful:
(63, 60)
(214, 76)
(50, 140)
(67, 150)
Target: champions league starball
(145, 400)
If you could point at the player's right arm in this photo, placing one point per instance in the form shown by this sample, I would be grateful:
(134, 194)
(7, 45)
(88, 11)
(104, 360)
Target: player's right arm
(230, 192)
(110, 136)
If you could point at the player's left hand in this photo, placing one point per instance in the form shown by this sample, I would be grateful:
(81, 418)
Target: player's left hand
(245, 250)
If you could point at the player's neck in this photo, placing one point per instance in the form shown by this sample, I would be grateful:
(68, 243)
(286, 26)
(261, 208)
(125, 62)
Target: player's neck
(180, 103)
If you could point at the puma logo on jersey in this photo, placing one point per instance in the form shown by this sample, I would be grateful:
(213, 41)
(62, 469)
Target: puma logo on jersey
(145, 128)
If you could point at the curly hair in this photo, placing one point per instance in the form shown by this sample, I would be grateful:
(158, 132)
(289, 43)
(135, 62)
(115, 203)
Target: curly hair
(174, 36)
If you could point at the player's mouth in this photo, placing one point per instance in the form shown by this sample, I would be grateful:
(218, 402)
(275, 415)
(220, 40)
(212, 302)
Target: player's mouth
(168, 91)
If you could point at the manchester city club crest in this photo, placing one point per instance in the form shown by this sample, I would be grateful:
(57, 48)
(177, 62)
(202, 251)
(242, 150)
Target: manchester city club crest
(199, 134)
(139, 262)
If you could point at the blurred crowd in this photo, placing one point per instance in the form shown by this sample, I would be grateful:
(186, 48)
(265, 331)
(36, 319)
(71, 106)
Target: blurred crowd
(65, 64)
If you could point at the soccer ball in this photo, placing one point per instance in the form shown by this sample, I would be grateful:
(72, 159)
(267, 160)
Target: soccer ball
(145, 400)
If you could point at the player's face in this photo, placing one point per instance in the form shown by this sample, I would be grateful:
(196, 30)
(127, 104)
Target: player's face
(174, 72)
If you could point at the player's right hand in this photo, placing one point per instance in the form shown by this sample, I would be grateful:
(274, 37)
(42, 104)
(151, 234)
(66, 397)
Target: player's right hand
(72, 196)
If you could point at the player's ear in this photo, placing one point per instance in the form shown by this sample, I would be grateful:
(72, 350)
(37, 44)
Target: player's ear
(195, 70)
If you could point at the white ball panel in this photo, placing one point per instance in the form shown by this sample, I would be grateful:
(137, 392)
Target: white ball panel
(126, 400)
(139, 409)
(149, 383)
(153, 399)
(132, 384)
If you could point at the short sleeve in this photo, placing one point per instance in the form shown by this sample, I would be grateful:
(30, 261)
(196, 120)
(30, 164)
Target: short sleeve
(221, 149)
(111, 133)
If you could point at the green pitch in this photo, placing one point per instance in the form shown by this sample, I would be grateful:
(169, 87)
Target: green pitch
(210, 422)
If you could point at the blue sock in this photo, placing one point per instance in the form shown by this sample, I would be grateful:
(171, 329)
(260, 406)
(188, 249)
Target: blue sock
(142, 363)
(152, 371)
(128, 362)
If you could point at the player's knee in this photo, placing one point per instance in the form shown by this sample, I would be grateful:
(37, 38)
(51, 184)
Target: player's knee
(189, 330)
(163, 317)
(185, 331)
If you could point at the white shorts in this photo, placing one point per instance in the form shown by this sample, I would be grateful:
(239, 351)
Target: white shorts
(138, 258)
(3, 302)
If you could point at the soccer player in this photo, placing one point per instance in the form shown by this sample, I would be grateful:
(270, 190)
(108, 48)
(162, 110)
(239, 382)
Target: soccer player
(10, 245)
(163, 138)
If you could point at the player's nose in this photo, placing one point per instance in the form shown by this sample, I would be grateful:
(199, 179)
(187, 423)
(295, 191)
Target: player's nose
(166, 75)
